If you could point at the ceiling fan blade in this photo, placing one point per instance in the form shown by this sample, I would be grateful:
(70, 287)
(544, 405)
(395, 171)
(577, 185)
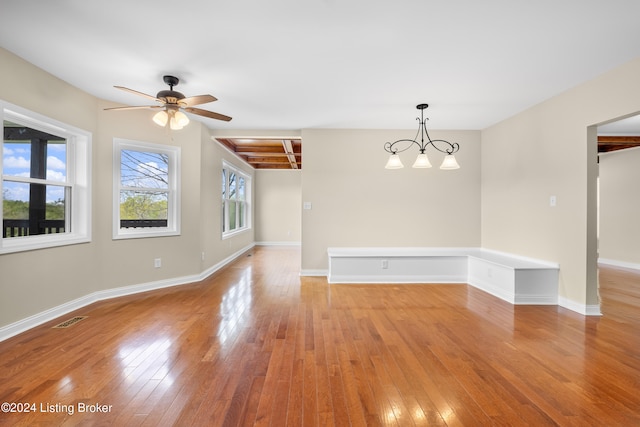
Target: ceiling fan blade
(197, 100)
(136, 107)
(135, 92)
(206, 113)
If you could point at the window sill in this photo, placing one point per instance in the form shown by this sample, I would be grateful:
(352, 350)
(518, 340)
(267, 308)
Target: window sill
(32, 243)
(148, 233)
(230, 234)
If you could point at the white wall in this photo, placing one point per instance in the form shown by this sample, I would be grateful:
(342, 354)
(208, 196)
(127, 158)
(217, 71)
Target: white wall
(278, 210)
(620, 206)
(551, 149)
(357, 202)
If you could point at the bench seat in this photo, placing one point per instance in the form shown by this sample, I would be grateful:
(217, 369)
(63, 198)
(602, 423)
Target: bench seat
(513, 278)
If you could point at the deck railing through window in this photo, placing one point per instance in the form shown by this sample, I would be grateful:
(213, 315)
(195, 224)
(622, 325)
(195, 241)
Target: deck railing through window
(20, 227)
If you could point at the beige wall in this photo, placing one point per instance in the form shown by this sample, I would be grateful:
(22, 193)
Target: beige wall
(620, 206)
(278, 206)
(32, 282)
(356, 202)
(548, 150)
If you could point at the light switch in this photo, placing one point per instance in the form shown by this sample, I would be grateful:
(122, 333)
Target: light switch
(306, 205)
(552, 201)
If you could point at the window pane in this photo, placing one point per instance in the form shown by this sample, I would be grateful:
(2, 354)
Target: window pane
(57, 161)
(31, 153)
(224, 183)
(144, 169)
(232, 216)
(224, 216)
(241, 207)
(16, 158)
(240, 188)
(55, 210)
(232, 185)
(143, 205)
(15, 209)
(31, 209)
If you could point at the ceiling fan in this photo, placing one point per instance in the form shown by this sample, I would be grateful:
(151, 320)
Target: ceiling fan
(172, 102)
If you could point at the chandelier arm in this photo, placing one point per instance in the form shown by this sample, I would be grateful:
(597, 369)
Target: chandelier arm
(390, 147)
(449, 148)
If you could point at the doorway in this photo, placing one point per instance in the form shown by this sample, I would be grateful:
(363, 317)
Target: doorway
(618, 195)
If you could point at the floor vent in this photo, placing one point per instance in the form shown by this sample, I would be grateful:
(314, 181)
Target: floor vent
(70, 322)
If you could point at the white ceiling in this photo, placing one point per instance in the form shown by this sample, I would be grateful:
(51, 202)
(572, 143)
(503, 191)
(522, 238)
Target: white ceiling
(293, 64)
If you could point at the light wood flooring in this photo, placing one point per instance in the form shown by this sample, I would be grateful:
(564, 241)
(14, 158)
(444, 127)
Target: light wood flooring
(255, 344)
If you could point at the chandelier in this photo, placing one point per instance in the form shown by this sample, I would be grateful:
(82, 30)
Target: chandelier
(422, 161)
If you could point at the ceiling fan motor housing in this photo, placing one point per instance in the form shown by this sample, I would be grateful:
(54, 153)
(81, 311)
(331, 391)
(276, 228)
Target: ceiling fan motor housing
(170, 96)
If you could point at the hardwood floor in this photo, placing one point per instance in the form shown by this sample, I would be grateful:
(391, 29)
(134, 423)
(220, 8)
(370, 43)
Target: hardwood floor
(255, 344)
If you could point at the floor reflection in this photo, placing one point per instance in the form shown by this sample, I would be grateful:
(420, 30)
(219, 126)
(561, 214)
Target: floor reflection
(235, 308)
(138, 357)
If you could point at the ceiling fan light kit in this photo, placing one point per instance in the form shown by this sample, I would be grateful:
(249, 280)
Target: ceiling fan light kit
(422, 161)
(172, 103)
(176, 119)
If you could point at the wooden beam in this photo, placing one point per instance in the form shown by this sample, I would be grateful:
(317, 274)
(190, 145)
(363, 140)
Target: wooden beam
(286, 144)
(608, 143)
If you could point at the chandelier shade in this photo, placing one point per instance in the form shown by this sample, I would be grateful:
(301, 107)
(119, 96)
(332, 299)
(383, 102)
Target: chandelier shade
(422, 161)
(394, 162)
(449, 163)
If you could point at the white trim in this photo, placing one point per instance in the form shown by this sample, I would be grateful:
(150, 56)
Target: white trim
(314, 273)
(30, 322)
(284, 243)
(173, 191)
(584, 309)
(402, 280)
(79, 161)
(227, 168)
(616, 263)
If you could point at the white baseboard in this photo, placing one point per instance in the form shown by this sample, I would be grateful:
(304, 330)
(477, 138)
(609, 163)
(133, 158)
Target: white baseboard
(584, 309)
(616, 263)
(312, 273)
(45, 316)
(285, 243)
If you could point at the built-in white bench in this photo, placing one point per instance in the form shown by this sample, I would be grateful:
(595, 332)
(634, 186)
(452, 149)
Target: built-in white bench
(516, 279)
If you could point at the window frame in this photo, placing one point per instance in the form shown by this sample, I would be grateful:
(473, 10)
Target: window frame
(77, 182)
(230, 168)
(173, 192)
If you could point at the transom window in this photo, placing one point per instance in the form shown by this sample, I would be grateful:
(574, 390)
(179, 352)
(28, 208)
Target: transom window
(236, 190)
(45, 191)
(146, 199)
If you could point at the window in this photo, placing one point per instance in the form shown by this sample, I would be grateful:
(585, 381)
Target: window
(146, 198)
(236, 193)
(45, 182)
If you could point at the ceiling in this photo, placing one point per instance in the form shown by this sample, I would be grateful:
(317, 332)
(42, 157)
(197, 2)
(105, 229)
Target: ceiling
(361, 64)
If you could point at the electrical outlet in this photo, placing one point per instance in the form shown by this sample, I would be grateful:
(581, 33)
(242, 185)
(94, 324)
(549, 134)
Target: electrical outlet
(385, 264)
(157, 263)
(202, 256)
